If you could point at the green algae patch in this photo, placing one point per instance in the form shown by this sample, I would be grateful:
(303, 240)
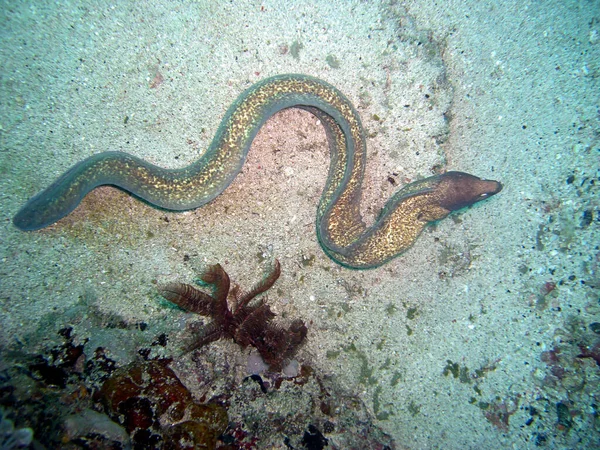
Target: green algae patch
(332, 61)
(365, 372)
(381, 415)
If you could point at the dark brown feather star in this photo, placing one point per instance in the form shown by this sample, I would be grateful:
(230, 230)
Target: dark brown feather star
(238, 320)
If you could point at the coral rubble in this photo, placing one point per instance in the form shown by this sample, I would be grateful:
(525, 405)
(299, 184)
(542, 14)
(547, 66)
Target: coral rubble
(158, 411)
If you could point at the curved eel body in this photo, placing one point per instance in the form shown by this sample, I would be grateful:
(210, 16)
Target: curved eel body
(340, 229)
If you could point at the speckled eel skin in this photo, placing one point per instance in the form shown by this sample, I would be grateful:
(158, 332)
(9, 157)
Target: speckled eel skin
(340, 228)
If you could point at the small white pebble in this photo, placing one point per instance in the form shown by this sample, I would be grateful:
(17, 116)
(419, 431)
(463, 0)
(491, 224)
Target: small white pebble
(292, 369)
(255, 364)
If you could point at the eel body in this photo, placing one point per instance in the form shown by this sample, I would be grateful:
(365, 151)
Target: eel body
(340, 228)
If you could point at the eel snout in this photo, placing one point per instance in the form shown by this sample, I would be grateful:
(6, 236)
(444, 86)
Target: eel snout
(458, 190)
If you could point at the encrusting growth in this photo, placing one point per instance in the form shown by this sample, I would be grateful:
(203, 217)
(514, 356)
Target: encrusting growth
(237, 319)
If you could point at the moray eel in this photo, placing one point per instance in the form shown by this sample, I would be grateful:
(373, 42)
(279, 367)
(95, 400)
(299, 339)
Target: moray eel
(340, 228)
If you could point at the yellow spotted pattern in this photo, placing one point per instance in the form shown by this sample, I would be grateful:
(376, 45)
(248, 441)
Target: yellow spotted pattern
(340, 228)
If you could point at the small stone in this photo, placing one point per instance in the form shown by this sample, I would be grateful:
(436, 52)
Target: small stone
(256, 364)
(564, 415)
(292, 369)
(595, 327)
(587, 218)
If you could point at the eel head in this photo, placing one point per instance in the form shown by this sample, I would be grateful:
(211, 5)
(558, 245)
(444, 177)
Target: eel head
(457, 190)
